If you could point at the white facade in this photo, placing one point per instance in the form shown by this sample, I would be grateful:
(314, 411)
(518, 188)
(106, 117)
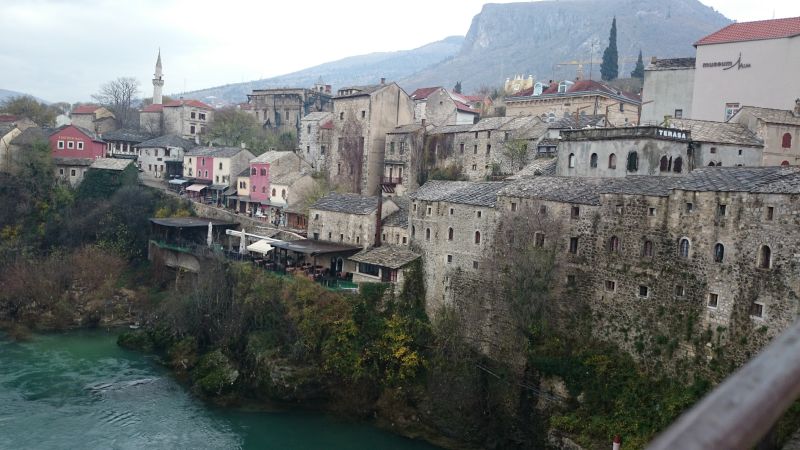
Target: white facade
(668, 90)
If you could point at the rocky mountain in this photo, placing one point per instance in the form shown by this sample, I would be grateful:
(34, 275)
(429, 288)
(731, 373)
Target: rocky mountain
(531, 38)
(354, 70)
(6, 94)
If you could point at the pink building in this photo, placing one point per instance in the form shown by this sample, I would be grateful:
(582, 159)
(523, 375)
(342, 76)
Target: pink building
(259, 177)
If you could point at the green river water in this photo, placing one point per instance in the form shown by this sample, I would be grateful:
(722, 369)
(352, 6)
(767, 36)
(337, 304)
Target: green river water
(78, 390)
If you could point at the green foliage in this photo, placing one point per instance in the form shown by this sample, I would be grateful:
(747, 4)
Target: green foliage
(516, 151)
(99, 184)
(609, 69)
(451, 173)
(27, 106)
(638, 71)
(233, 126)
(214, 373)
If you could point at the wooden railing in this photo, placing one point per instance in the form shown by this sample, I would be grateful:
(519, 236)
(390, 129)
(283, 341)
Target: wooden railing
(392, 180)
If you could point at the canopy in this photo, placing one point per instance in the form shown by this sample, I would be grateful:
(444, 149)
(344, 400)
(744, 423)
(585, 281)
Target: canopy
(196, 187)
(260, 247)
(177, 181)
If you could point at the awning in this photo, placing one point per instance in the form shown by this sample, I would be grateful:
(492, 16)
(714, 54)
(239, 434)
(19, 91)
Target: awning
(218, 187)
(260, 247)
(178, 182)
(196, 188)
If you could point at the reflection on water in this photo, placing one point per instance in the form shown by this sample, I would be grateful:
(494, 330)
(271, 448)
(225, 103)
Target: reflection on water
(79, 390)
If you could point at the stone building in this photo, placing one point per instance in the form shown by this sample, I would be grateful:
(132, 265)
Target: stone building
(282, 109)
(362, 117)
(778, 129)
(401, 163)
(95, 118)
(122, 143)
(8, 132)
(21, 143)
(451, 226)
(721, 143)
(188, 119)
(384, 264)
(162, 157)
(348, 218)
(436, 106)
(668, 90)
(74, 149)
(556, 100)
(316, 130)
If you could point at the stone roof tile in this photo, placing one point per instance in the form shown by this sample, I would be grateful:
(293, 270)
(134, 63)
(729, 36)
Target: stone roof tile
(478, 193)
(347, 203)
(718, 132)
(391, 256)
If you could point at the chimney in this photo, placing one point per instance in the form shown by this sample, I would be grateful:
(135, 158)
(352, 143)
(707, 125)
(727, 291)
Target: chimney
(653, 60)
(378, 219)
(797, 107)
(383, 80)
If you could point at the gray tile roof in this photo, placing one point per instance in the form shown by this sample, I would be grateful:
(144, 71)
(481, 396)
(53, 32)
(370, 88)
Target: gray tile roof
(560, 189)
(60, 161)
(538, 167)
(584, 120)
(445, 129)
(32, 135)
(288, 178)
(410, 128)
(168, 140)
(363, 90)
(478, 193)
(316, 116)
(217, 152)
(775, 180)
(111, 163)
(490, 123)
(5, 128)
(671, 64)
(398, 218)
(271, 156)
(125, 135)
(391, 256)
(347, 203)
(718, 132)
(771, 115)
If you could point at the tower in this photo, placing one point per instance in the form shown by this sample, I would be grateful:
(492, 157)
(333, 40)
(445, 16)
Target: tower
(158, 81)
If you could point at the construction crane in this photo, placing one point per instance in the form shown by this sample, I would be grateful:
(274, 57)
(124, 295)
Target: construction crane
(580, 64)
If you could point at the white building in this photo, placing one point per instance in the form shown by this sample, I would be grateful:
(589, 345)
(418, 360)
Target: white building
(668, 89)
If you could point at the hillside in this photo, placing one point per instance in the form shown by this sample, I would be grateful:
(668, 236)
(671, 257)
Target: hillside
(362, 69)
(530, 38)
(6, 94)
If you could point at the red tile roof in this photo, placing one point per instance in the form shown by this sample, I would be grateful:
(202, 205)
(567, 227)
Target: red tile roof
(327, 125)
(153, 108)
(189, 102)
(8, 118)
(85, 109)
(464, 107)
(423, 93)
(754, 31)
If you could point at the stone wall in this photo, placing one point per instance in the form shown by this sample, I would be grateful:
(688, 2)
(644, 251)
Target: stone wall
(353, 229)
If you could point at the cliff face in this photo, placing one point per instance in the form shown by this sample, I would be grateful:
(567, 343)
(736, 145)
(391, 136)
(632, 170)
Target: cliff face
(531, 38)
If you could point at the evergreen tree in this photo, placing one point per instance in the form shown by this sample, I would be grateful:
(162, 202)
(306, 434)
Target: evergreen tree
(457, 88)
(609, 70)
(638, 71)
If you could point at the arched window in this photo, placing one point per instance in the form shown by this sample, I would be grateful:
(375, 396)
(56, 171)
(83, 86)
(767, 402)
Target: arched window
(477, 237)
(283, 193)
(273, 192)
(449, 234)
(263, 189)
(593, 161)
(683, 248)
(765, 257)
(551, 117)
(784, 163)
(254, 188)
(633, 161)
(571, 160)
(613, 244)
(427, 234)
(253, 171)
(612, 161)
(677, 165)
(711, 164)
(663, 165)
(263, 172)
(647, 249)
(786, 141)
(719, 252)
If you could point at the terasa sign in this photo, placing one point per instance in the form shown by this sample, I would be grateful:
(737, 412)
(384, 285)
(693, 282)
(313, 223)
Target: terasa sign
(672, 134)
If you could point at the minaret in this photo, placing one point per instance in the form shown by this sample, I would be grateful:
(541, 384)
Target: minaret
(158, 81)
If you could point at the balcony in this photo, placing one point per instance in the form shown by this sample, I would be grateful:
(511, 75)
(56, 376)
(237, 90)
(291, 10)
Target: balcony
(393, 181)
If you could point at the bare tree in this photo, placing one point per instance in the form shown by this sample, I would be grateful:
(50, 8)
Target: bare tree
(233, 126)
(516, 151)
(118, 96)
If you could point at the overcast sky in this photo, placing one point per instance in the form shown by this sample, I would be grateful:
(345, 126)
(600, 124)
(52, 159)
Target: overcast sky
(62, 50)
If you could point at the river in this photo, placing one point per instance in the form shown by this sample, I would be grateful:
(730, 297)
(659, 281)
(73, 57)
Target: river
(80, 390)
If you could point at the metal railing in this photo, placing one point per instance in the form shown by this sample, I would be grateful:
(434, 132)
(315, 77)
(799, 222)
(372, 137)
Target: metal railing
(392, 180)
(739, 412)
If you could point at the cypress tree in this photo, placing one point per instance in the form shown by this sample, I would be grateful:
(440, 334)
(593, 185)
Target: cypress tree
(609, 70)
(638, 71)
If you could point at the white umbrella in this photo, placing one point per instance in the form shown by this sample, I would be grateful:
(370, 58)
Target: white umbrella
(243, 243)
(210, 238)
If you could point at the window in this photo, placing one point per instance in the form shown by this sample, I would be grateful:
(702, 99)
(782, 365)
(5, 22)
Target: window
(70, 144)
(613, 244)
(474, 264)
(202, 162)
(451, 211)
(542, 209)
(369, 269)
(571, 281)
(620, 209)
(363, 114)
(283, 194)
(191, 129)
(461, 148)
(477, 237)
(341, 237)
(719, 252)
(80, 145)
(341, 116)
(611, 286)
(571, 160)
(683, 248)
(404, 240)
(273, 192)
(664, 164)
(206, 174)
(338, 168)
(489, 134)
(740, 152)
(449, 259)
(216, 178)
(770, 212)
(573, 245)
(476, 135)
(415, 207)
(757, 310)
(712, 300)
(413, 231)
(263, 170)
(786, 141)
(391, 147)
(263, 189)
(593, 161)
(538, 240)
(61, 171)
(643, 291)
(72, 172)
(193, 115)
(765, 257)
(513, 206)
(677, 166)
(449, 234)
(612, 161)
(730, 110)
(253, 171)
(358, 238)
(633, 161)
(427, 234)
(488, 148)
(575, 212)
(60, 144)
(678, 113)
(651, 212)
(647, 249)
(475, 149)
(428, 210)
(254, 188)
(722, 209)
(322, 150)
(689, 207)
(713, 150)
(478, 214)
(680, 291)
(784, 163)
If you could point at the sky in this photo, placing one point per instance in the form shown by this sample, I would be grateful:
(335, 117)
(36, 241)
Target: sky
(63, 50)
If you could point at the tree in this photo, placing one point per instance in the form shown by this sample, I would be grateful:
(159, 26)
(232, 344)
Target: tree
(516, 151)
(609, 70)
(118, 96)
(457, 88)
(27, 106)
(233, 126)
(638, 71)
